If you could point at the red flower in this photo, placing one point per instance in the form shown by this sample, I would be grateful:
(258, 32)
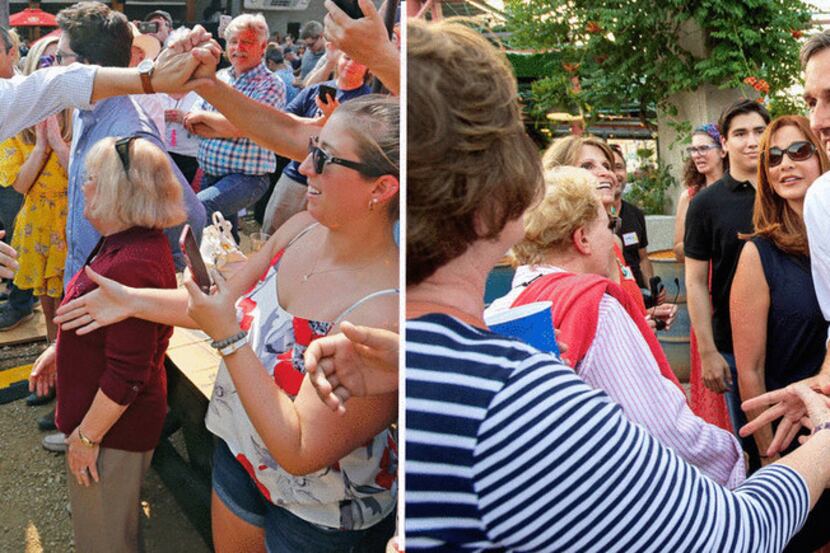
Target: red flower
(570, 67)
(593, 27)
(751, 81)
(796, 34)
(247, 305)
(250, 469)
(286, 375)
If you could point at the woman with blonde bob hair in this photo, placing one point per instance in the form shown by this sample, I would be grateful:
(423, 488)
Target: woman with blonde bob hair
(112, 391)
(563, 256)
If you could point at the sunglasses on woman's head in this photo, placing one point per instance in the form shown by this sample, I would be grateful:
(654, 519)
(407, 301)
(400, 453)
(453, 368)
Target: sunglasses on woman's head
(797, 151)
(122, 148)
(320, 158)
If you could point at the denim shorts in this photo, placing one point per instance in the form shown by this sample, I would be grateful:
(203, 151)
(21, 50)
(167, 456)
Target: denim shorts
(284, 531)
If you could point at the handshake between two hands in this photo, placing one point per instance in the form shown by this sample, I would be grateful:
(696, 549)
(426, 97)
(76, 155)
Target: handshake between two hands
(187, 63)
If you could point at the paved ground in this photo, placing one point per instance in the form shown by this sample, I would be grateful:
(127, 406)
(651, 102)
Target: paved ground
(33, 512)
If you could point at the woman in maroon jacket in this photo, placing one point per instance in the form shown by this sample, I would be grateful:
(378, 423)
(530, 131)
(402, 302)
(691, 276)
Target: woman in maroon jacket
(112, 389)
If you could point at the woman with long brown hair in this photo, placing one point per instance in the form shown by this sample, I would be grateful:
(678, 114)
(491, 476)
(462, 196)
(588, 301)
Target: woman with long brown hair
(777, 326)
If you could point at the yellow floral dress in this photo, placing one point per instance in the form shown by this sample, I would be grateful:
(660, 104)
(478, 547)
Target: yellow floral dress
(40, 227)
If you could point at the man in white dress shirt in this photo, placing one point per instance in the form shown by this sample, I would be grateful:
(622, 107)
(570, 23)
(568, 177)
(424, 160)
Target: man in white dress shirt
(815, 60)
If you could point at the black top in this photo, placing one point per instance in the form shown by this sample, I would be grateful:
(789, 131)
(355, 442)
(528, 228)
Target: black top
(796, 329)
(633, 236)
(715, 217)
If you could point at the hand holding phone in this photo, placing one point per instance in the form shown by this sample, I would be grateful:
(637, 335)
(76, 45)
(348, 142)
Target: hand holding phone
(351, 7)
(327, 93)
(148, 27)
(190, 249)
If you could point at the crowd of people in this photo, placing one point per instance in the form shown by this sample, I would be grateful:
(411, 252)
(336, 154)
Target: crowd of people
(595, 447)
(160, 137)
(590, 446)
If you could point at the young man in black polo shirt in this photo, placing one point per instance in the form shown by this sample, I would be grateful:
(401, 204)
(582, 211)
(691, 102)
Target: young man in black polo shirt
(715, 217)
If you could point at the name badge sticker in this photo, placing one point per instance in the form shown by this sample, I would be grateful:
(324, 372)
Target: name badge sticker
(630, 239)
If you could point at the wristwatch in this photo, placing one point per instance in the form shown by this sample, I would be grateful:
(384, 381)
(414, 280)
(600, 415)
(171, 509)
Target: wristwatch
(145, 70)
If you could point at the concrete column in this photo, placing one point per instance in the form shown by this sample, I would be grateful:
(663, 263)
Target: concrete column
(700, 106)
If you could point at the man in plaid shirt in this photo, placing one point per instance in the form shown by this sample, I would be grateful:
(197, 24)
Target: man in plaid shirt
(236, 170)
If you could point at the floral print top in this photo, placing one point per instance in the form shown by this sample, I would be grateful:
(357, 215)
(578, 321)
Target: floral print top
(356, 492)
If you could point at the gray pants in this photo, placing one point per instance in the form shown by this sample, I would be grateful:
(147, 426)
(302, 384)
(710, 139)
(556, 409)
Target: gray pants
(287, 199)
(106, 515)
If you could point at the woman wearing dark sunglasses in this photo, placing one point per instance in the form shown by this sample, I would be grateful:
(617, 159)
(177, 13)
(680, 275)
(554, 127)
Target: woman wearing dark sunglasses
(778, 329)
(289, 474)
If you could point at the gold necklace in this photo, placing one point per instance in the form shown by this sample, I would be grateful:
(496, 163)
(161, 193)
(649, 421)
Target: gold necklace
(314, 270)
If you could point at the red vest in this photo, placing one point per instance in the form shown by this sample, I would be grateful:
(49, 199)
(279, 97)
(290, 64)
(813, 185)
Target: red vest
(575, 313)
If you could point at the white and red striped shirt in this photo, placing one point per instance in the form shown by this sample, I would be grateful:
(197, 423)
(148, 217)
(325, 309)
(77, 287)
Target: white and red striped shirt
(620, 363)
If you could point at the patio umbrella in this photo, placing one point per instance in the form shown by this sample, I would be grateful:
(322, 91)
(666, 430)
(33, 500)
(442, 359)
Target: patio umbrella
(32, 17)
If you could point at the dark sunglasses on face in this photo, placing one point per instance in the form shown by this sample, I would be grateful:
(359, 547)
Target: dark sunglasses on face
(320, 158)
(797, 151)
(122, 148)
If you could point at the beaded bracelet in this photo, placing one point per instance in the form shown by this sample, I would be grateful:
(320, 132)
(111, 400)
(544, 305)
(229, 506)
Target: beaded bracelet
(219, 344)
(823, 426)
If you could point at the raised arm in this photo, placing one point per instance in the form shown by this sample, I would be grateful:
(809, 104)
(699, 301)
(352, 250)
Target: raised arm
(283, 133)
(366, 41)
(302, 435)
(749, 304)
(112, 301)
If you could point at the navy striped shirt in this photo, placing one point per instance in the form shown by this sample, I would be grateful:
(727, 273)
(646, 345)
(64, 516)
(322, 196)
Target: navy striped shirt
(507, 449)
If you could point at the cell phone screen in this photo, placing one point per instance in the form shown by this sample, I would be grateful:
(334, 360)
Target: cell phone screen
(327, 93)
(351, 8)
(146, 27)
(190, 249)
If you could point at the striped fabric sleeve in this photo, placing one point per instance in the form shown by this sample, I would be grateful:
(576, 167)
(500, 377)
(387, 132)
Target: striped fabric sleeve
(620, 363)
(507, 449)
(559, 468)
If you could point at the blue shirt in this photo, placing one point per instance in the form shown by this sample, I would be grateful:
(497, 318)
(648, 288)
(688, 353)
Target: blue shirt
(226, 156)
(508, 450)
(304, 105)
(119, 116)
(287, 77)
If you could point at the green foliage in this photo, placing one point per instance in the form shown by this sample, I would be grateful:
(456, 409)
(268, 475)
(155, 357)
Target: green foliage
(628, 52)
(648, 187)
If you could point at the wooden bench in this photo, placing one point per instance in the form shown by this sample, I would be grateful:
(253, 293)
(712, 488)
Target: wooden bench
(191, 372)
